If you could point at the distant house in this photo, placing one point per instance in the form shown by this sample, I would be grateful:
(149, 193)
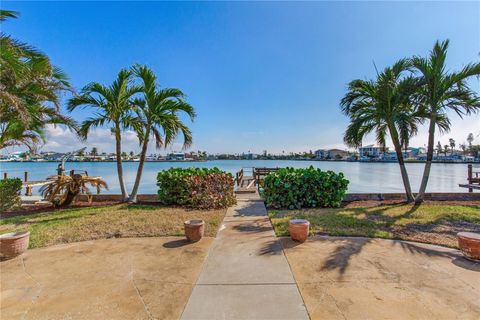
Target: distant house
(333, 154)
(176, 156)
(54, 156)
(370, 151)
(321, 154)
(338, 154)
(390, 156)
(249, 156)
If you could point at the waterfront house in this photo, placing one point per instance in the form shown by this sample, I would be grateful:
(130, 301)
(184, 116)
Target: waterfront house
(389, 156)
(331, 154)
(176, 156)
(370, 152)
(321, 154)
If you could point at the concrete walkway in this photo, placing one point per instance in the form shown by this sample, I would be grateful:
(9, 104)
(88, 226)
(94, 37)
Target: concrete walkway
(246, 274)
(129, 278)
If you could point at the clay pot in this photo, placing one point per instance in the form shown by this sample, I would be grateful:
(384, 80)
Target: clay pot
(194, 229)
(298, 229)
(13, 244)
(469, 243)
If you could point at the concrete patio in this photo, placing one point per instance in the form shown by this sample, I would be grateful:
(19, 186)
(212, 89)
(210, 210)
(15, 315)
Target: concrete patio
(244, 273)
(136, 278)
(360, 278)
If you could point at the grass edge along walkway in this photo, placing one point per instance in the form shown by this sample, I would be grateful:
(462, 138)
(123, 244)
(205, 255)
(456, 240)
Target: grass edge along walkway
(100, 222)
(434, 223)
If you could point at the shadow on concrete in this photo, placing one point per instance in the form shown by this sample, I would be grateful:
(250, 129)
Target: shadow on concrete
(176, 243)
(466, 264)
(252, 209)
(455, 256)
(343, 253)
(414, 249)
(252, 228)
(273, 247)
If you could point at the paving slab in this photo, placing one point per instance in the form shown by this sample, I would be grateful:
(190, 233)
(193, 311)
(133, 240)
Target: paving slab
(360, 278)
(246, 274)
(246, 252)
(136, 278)
(245, 302)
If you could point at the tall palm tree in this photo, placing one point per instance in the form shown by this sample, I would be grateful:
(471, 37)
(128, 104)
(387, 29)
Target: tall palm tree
(439, 148)
(30, 88)
(113, 106)
(158, 112)
(440, 92)
(385, 107)
(451, 142)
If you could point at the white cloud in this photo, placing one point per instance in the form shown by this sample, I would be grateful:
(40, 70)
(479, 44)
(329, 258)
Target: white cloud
(63, 140)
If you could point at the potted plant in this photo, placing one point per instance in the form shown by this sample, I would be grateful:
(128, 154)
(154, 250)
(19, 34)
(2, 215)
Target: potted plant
(194, 229)
(14, 243)
(469, 243)
(298, 229)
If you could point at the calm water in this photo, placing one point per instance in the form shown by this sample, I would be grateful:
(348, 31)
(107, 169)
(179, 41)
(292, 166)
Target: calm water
(364, 177)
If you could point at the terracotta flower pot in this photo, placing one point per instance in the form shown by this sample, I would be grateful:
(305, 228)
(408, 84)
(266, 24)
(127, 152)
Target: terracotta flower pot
(14, 243)
(298, 229)
(469, 243)
(194, 229)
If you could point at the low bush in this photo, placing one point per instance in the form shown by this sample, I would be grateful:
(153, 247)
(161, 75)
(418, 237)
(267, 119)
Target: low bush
(304, 188)
(198, 188)
(10, 193)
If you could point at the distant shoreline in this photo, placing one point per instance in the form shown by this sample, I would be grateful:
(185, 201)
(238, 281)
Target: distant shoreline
(191, 161)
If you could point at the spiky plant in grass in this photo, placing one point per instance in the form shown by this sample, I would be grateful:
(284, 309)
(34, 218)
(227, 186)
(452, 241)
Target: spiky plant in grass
(63, 190)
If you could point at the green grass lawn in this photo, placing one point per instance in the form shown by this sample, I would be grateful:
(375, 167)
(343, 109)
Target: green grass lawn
(432, 223)
(78, 224)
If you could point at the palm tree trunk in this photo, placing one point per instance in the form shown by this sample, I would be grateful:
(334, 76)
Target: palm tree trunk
(401, 162)
(118, 149)
(428, 164)
(143, 155)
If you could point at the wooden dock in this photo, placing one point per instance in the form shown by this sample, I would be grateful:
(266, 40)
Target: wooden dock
(29, 184)
(473, 178)
(248, 179)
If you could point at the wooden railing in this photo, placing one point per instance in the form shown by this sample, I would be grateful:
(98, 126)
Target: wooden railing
(260, 173)
(473, 177)
(239, 177)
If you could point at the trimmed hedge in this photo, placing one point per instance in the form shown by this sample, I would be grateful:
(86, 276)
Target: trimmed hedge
(198, 188)
(10, 193)
(304, 188)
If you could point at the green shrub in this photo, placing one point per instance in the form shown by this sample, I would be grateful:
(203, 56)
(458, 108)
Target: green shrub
(199, 188)
(304, 188)
(10, 193)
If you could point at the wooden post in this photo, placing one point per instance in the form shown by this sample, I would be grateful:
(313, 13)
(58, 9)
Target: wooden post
(5, 176)
(25, 176)
(470, 176)
(72, 172)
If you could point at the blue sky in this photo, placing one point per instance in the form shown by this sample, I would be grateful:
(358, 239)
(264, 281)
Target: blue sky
(262, 75)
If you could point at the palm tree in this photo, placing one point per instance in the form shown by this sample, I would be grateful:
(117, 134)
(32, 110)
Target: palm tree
(383, 106)
(113, 106)
(439, 148)
(63, 189)
(451, 142)
(158, 113)
(470, 139)
(30, 87)
(442, 91)
(445, 149)
(94, 152)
